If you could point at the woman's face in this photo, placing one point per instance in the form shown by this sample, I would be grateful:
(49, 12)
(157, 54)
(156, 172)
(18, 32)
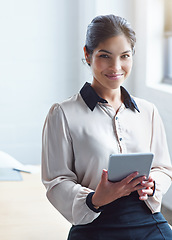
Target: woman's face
(111, 62)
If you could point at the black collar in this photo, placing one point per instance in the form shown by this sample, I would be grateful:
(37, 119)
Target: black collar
(91, 98)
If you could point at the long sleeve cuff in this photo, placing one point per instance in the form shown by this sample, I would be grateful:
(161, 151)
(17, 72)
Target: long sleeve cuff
(90, 205)
(154, 187)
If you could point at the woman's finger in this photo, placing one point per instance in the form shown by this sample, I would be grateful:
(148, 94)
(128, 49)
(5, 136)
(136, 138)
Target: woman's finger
(130, 177)
(137, 181)
(104, 175)
(146, 184)
(143, 197)
(144, 193)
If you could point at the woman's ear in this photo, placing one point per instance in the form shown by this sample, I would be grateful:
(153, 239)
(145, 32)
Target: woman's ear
(87, 56)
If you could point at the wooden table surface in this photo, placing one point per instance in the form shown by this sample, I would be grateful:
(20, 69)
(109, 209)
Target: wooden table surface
(26, 214)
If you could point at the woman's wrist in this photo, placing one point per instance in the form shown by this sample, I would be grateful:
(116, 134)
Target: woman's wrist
(93, 201)
(90, 204)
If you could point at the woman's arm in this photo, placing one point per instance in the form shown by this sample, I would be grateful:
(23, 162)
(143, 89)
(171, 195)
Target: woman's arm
(58, 176)
(161, 171)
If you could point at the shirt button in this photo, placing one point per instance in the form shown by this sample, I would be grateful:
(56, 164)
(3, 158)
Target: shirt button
(116, 118)
(120, 139)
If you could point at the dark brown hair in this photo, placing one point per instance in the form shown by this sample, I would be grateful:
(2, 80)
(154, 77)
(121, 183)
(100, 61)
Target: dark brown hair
(104, 27)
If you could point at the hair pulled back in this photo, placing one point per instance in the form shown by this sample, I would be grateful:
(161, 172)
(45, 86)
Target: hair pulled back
(104, 27)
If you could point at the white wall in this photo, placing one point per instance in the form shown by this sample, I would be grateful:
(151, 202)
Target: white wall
(41, 51)
(37, 46)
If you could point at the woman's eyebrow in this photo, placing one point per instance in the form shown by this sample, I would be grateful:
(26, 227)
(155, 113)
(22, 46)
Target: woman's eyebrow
(126, 51)
(103, 50)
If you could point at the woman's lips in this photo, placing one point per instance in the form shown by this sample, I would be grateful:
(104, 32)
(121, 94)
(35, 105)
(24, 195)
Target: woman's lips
(114, 76)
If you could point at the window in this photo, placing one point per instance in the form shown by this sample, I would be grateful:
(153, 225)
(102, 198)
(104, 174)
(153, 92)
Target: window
(168, 41)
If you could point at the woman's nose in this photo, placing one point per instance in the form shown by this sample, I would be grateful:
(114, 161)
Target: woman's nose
(116, 64)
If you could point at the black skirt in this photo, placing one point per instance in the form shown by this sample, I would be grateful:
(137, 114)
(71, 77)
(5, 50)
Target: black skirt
(127, 218)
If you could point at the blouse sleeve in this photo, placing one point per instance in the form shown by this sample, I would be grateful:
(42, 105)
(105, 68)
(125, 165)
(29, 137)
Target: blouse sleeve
(58, 176)
(161, 170)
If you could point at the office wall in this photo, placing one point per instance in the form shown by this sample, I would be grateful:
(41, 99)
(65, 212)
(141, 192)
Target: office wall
(41, 51)
(37, 68)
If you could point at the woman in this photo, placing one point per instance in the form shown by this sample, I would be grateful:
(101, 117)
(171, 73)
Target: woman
(80, 133)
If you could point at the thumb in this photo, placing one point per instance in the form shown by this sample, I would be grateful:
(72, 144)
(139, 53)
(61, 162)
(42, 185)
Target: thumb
(104, 175)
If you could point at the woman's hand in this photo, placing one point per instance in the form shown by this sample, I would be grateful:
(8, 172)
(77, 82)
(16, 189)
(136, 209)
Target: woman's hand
(107, 192)
(147, 189)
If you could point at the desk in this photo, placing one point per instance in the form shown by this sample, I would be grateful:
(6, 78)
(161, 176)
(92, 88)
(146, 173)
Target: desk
(26, 214)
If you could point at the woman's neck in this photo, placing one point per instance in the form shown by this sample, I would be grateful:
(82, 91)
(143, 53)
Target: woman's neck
(113, 96)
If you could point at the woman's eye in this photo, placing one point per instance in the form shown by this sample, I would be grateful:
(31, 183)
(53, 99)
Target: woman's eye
(125, 56)
(104, 56)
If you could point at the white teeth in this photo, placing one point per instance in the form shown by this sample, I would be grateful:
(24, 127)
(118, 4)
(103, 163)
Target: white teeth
(115, 74)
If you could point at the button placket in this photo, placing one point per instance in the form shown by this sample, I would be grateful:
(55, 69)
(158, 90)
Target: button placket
(119, 134)
(116, 124)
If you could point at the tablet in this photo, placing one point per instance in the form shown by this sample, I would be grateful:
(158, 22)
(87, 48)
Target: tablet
(121, 165)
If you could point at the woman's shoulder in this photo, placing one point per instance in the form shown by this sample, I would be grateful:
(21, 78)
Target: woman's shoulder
(67, 105)
(144, 104)
(146, 107)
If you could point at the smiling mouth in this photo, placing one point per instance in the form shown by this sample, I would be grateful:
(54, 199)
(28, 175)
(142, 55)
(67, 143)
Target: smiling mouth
(114, 76)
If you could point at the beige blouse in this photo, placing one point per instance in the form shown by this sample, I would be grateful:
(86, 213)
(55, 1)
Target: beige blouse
(76, 145)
